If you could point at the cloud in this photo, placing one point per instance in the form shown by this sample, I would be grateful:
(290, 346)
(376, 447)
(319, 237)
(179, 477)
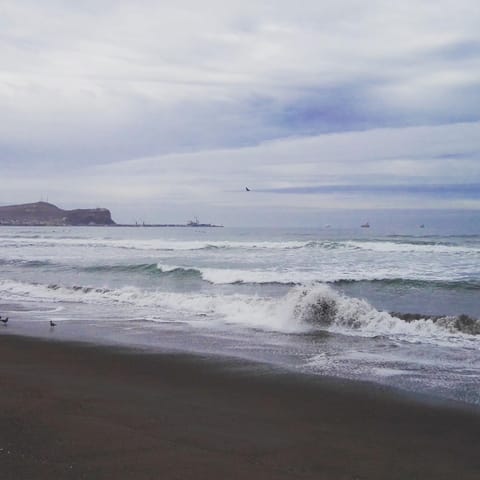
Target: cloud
(411, 167)
(173, 104)
(438, 191)
(104, 81)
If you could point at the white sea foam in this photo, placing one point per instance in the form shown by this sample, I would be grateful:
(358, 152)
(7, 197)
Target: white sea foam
(46, 239)
(322, 307)
(221, 276)
(303, 309)
(408, 247)
(329, 273)
(225, 276)
(150, 244)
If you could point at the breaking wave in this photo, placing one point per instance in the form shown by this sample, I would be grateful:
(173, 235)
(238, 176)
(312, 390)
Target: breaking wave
(222, 276)
(261, 276)
(147, 268)
(393, 244)
(411, 282)
(20, 262)
(320, 306)
(303, 309)
(156, 244)
(412, 247)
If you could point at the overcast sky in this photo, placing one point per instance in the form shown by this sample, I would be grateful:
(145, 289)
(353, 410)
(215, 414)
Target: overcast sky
(166, 110)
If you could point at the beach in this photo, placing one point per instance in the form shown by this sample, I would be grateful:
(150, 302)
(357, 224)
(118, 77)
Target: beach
(396, 310)
(71, 410)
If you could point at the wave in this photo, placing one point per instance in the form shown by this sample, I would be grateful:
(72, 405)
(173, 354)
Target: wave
(225, 276)
(381, 246)
(233, 276)
(462, 323)
(152, 244)
(411, 282)
(455, 235)
(304, 309)
(220, 276)
(20, 262)
(322, 306)
(392, 244)
(153, 269)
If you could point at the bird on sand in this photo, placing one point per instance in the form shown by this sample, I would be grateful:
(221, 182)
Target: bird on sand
(52, 324)
(247, 189)
(4, 320)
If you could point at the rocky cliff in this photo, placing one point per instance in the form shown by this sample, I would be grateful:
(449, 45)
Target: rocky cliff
(43, 213)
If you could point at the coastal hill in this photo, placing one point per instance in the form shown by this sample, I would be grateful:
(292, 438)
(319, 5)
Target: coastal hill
(44, 213)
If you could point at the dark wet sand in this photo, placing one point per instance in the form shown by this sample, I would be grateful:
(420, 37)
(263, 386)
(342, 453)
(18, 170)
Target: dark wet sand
(73, 411)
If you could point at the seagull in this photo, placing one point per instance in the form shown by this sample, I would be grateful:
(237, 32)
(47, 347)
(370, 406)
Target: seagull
(4, 320)
(247, 189)
(52, 324)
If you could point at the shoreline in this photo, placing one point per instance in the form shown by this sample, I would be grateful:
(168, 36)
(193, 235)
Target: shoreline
(162, 344)
(123, 345)
(74, 410)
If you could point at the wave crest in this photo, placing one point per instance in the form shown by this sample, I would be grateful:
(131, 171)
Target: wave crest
(302, 310)
(322, 307)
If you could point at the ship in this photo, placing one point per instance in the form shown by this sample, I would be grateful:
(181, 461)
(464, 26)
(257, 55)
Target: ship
(193, 223)
(196, 223)
(365, 225)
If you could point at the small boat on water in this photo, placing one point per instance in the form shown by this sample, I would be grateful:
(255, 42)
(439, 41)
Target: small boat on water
(365, 225)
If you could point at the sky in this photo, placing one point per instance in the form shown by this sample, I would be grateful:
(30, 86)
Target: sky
(162, 111)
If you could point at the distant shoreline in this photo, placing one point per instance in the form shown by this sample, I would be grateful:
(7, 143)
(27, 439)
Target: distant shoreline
(130, 225)
(44, 214)
(176, 225)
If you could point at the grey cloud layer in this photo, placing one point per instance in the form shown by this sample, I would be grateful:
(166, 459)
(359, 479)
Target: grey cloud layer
(106, 82)
(414, 167)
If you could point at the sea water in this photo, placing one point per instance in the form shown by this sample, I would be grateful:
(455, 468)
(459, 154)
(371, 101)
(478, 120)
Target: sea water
(394, 304)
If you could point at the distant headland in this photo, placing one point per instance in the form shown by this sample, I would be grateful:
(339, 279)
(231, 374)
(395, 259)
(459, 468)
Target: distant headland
(42, 214)
(47, 214)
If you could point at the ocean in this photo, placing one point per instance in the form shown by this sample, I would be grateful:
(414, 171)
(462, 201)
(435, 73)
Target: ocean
(394, 304)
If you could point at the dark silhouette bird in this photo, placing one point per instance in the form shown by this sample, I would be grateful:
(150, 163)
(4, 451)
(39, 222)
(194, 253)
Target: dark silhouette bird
(52, 324)
(4, 320)
(247, 189)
